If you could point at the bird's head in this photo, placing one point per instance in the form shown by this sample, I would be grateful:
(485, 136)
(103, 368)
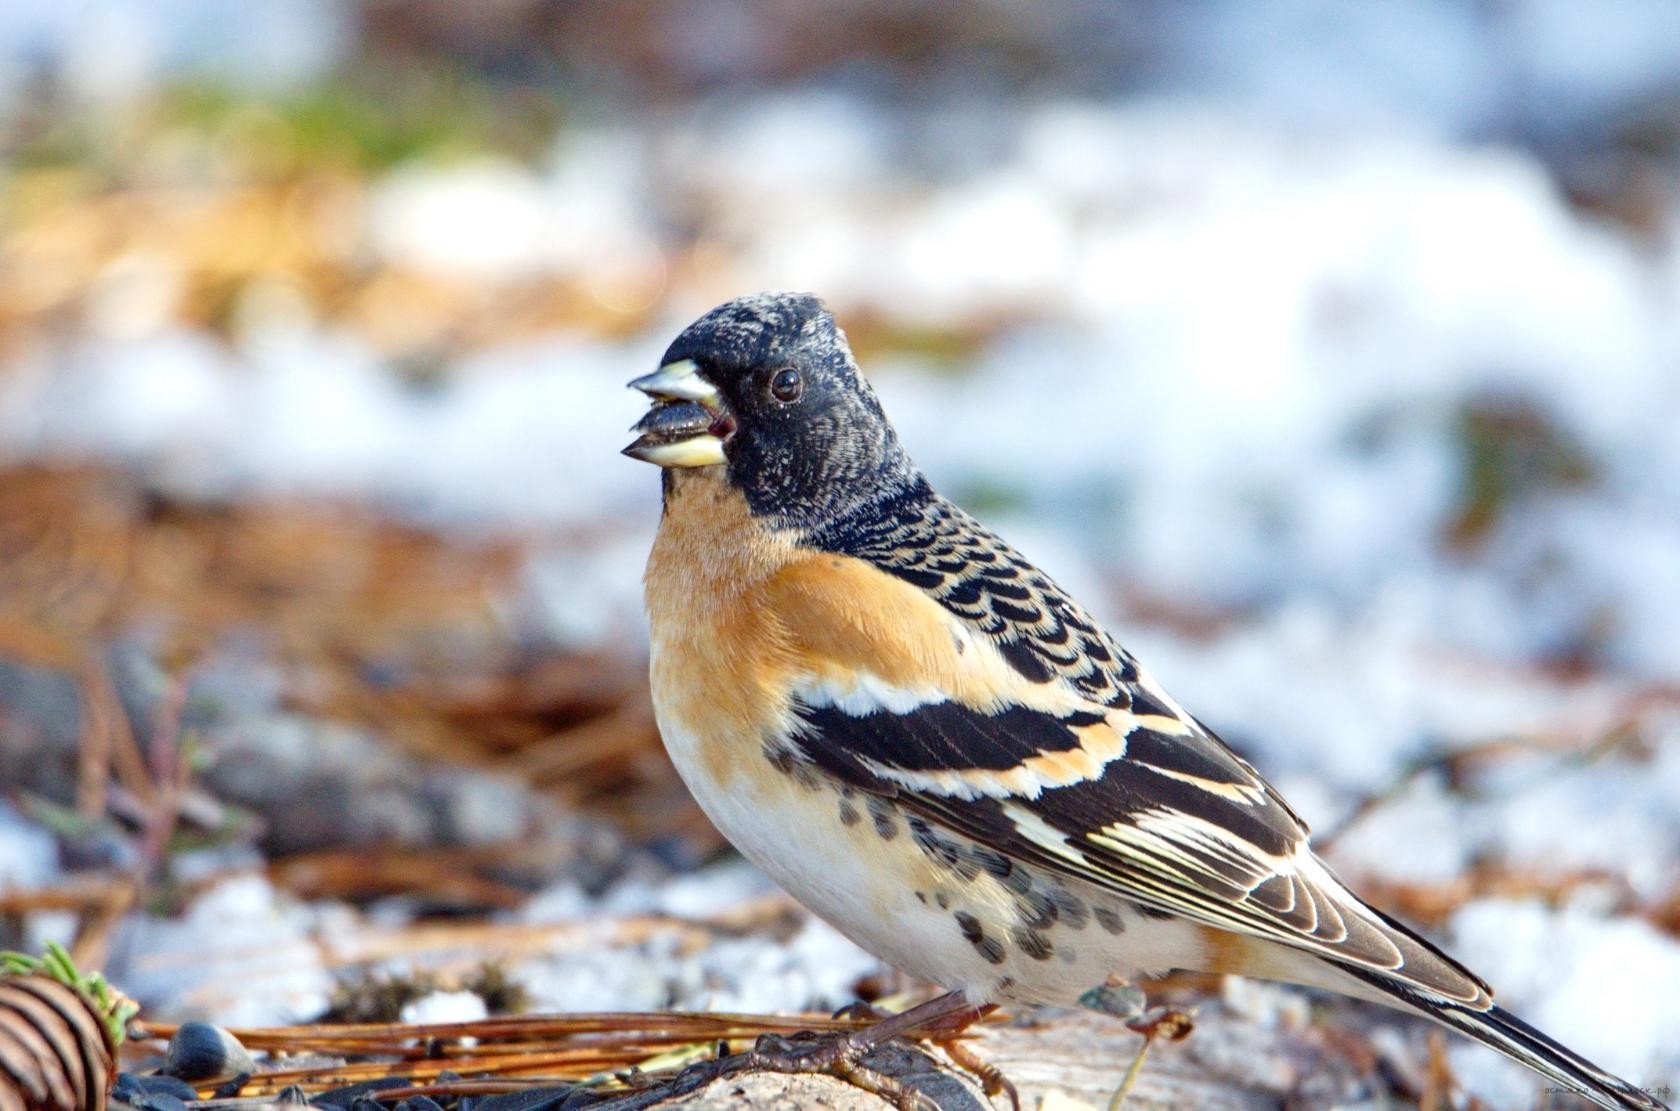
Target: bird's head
(765, 387)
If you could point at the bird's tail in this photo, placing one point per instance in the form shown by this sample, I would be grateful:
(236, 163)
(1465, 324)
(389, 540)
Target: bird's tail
(1496, 1027)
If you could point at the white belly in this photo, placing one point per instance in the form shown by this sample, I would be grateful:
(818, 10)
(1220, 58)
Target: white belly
(861, 868)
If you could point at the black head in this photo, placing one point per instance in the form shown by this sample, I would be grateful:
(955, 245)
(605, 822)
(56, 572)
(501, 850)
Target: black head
(767, 387)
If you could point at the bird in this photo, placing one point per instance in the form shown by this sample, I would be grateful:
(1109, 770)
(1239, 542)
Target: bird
(930, 745)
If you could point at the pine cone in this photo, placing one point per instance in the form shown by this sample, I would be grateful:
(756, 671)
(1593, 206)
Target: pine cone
(58, 1037)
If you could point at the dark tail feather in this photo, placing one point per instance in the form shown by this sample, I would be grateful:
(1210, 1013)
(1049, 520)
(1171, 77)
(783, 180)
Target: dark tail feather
(1521, 1042)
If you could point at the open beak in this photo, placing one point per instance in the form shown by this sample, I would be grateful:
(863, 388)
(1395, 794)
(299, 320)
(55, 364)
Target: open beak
(687, 425)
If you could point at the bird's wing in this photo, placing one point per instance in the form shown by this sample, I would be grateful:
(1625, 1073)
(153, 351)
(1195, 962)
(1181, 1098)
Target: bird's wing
(965, 684)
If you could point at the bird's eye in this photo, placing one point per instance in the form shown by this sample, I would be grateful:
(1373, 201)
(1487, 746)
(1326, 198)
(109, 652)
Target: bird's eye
(786, 385)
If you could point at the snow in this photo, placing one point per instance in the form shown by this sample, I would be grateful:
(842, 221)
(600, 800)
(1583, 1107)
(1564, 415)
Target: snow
(1381, 693)
(28, 853)
(492, 219)
(318, 414)
(749, 970)
(1444, 66)
(1603, 986)
(700, 894)
(1625, 822)
(815, 969)
(445, 1006)
(1414, 837)
(241, 953)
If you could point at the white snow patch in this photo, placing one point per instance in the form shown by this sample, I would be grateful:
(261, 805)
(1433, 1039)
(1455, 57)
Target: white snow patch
(445, 1006)
(242, 953)
(1413, 837)
(1602, 986)
(28, 853)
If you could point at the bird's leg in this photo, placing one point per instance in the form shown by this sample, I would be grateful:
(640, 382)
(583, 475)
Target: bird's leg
(992, 1080)
(940, 1019)
(948, 1014)
(1158, 1022)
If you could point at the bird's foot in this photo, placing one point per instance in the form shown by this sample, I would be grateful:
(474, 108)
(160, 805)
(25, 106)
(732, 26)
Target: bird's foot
(941, 1022)
(1157, 1022)
(835, 1054)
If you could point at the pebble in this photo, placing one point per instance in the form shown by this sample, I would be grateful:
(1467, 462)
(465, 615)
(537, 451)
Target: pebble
(200, 1051)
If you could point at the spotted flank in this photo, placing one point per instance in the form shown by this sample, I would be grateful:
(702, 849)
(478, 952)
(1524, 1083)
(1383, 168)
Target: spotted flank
(1033, 934)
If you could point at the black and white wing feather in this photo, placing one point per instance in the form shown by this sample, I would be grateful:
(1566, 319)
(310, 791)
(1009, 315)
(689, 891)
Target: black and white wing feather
(1120, 787)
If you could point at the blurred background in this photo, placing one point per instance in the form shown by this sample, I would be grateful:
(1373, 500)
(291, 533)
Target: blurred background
(1330, 351)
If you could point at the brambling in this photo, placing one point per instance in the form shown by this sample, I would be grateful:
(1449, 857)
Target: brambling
(930, 745)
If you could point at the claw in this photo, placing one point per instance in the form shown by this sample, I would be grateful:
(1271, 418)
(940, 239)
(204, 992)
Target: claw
(992, 1080)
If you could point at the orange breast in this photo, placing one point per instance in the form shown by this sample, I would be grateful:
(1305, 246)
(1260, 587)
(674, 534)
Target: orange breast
(741, 614)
